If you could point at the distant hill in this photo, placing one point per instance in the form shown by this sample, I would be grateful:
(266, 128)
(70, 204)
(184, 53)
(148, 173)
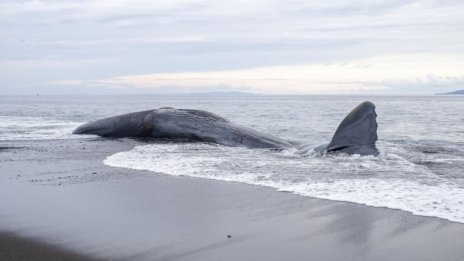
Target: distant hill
(452, 93)
(223, 93)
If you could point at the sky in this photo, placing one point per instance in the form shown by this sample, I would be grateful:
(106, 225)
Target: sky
(260, 46)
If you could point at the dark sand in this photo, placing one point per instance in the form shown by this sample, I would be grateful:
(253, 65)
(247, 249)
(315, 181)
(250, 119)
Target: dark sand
(60, 193)
(14, 248)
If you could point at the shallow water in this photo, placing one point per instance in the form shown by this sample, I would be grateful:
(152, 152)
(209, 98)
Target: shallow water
(419, 169)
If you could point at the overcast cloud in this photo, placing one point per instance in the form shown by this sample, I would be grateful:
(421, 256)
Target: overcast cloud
(299, 46)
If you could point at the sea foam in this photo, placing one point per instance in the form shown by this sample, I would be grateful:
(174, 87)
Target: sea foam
(389, 180)
(35, 128)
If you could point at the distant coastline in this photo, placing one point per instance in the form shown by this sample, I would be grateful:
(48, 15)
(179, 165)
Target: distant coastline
(458, 92)
(221, 93)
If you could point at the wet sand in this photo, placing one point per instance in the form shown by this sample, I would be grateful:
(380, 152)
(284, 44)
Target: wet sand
(59, 194)
(14, 248)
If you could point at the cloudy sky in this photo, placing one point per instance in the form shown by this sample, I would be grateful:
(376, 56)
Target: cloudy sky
(263, 46)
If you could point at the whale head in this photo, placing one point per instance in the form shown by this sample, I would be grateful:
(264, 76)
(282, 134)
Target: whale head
(127, 125)
(357, 133)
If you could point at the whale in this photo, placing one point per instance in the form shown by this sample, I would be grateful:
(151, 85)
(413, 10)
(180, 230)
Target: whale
(356, 134)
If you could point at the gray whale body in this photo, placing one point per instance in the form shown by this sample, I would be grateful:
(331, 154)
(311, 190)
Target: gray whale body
(356, 134)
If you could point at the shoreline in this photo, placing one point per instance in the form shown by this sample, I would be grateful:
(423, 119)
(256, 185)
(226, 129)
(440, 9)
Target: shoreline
(64, 193)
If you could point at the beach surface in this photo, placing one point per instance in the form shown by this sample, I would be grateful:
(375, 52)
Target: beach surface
(60, 202)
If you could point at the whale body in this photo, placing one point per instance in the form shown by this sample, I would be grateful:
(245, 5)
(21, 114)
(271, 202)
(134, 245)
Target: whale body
(356, 134)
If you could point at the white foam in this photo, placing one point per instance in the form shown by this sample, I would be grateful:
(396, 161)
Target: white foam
(386, 181)
(35, 128)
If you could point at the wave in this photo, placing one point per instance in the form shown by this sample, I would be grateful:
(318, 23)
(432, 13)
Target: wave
(390, 180)
(35, 128)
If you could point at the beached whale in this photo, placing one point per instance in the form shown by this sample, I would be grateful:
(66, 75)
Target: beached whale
(356, 134)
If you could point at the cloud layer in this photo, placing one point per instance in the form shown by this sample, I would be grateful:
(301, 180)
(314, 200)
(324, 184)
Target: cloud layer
(264, 46)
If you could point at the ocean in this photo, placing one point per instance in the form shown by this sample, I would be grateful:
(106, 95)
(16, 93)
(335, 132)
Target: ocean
(420, 168)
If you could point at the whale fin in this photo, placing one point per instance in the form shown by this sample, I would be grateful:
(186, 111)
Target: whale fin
(357, 133)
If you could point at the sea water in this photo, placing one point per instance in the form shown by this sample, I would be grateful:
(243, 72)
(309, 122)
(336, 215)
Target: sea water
(420, 168)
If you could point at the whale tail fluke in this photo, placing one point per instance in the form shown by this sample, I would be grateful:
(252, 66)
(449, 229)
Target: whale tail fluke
(357, 133)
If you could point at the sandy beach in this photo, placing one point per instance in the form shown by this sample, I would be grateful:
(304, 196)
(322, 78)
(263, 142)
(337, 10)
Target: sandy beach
(60, 202)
